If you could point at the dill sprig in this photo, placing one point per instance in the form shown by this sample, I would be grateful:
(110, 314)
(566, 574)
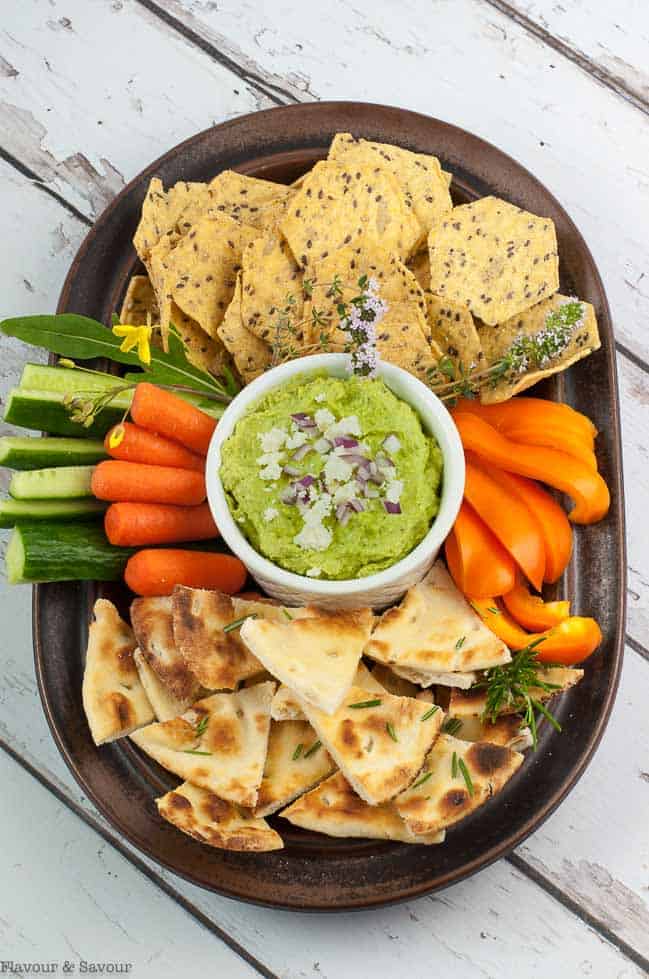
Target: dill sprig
(508, 687)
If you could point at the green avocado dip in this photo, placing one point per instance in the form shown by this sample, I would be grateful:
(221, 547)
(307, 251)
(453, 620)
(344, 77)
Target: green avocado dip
(332, 478)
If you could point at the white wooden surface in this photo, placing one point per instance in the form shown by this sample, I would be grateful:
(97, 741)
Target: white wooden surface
(90, 92)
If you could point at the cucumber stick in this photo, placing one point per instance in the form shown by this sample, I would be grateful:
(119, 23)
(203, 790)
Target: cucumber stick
(21, 511)
(24, 452)
(61, 483)
(62, 552)
(44, 411)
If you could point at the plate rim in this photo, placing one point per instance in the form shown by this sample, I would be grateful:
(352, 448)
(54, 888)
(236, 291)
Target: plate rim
(509, 841)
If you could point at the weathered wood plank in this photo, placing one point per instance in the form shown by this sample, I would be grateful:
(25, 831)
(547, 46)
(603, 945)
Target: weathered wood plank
(83, 78)
(66, 895)
(613, 38)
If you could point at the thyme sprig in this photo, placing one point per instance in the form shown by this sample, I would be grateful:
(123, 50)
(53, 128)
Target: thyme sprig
(508, 687)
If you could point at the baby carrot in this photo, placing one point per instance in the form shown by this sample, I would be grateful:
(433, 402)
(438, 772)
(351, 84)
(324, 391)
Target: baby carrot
(157, 572)
(135, 482)
(162, 412)
(141, 524)
(130, 443)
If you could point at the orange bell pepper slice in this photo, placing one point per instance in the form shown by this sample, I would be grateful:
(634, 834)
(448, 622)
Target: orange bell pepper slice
(555, 526)
(569, 642)
(565, 473)
(531, 411)
(479, 564)
(530, 611)
(509, 519)
(552, 436)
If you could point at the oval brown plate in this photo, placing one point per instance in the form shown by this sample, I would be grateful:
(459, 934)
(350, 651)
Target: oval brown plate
(315, 872)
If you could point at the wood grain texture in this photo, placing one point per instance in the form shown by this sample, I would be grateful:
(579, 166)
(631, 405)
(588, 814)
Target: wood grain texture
(59, 873)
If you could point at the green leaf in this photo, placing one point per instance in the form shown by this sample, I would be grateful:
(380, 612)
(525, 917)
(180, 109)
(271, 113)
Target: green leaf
(83, 338)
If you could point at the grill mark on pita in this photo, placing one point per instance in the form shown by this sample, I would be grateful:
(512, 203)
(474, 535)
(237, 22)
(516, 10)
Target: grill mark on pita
(452, 801)
(486, 758)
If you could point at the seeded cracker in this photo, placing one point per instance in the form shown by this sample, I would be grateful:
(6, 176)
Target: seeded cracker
(403, 335)
(139, 301)
(497, 342)
(419, 175)
(201, 270)
(419, 265)
(161, 211)
(493, 258)
(258, 203)
(270, 273)
(337, 206)
(453, 329)
(251, 355)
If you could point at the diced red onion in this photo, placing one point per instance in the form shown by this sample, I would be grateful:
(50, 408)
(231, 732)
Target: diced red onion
(353, 458)
(373, 468)
(357, 505)
(300, 453)
(347, 442)
(291, 471)
(384, 461)
(307, 480)
(303, 420)
(391, 444)
(362, 474)
(377, 478)
(392, 507)
(289, 495)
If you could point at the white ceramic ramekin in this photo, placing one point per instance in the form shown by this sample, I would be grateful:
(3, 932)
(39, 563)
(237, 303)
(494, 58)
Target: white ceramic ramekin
(375, 590)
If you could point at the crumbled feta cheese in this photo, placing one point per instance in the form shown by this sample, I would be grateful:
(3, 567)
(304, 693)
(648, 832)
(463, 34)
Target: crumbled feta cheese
(392, 444)
(270, 513)
(345, 493)
(320, 397)
(324, 418)
(337, 469)
(323, 446)
(272, 471)
(313, 537)
(346, 426)
(314, 572)
(296, 439)
(394, 490)
(272, 440)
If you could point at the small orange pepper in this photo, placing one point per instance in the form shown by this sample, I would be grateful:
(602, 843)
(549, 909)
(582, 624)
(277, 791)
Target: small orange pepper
(509, 519)
(565, 473)
(555, 526)
(570, 641)
(530, 611)
(479, 564)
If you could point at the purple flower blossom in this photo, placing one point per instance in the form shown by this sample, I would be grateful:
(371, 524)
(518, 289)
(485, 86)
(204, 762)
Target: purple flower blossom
(359, 323)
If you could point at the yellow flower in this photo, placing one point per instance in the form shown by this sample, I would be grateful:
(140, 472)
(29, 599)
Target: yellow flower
(135, 336)
(116, 436)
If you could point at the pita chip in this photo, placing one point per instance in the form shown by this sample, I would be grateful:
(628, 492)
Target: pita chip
(335, 809)
(219, 660)
(219, 744)
(425, 679)
(448, 795)
(213, 821)
(317, 657)
(286, 705)
(505, 730)
(473, 703)
(152, 621)
(378, 741)
(114, 700)
(165, 705)
(435, 630)
(294, 764)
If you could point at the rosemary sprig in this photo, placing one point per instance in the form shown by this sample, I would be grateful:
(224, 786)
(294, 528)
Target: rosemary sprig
(366, 703)
(420, 781)
(451, 725)
(390, 729)
(465, 775)
(195, 751)
(237, 623)
(454, 765)
(429, 713)
(460, 642)
(312, 750)
(298, 751)
(202, 725)
(508, 687)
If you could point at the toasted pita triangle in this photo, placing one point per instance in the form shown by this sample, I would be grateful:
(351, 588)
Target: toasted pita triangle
(225, 755)
(114, 700)
(152, 621)
(434, 629)
(421, 679)
(381, 748)
(316, 657)
(220, 660)
(286, 705)
(473, 702)
(214, 821)
(165, 705)
(334, 808)
(285, 775)
(506, 730)
(443, 799)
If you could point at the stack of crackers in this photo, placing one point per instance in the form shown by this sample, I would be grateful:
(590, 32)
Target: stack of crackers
(262, 709)
(228, 261)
